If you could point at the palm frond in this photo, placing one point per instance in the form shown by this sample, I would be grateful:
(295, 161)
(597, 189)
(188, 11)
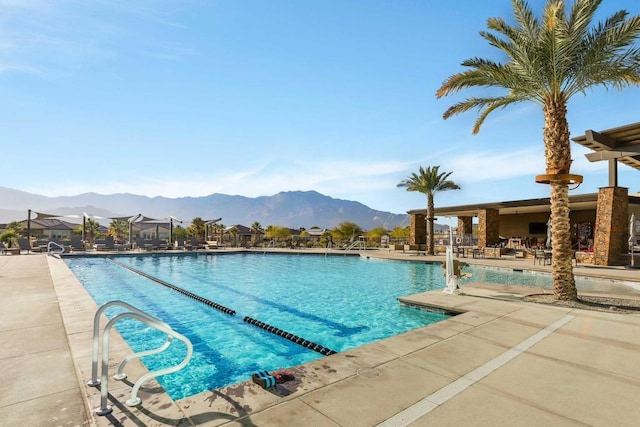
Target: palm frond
(549, 58)
(428, 181)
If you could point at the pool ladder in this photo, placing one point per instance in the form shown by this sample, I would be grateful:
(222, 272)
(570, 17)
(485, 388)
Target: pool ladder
(54, 248)
(137, 314)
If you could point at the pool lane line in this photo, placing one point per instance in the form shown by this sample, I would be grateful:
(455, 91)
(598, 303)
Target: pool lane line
(279, 332)
(291, 337)
(196, 297)
(434, 400)
(342, 329)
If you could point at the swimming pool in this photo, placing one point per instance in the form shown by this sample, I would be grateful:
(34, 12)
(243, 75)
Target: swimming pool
(337, 302)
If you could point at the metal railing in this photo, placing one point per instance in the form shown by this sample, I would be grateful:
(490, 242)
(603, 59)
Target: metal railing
(141, 316)
(54, 248)
(361, 244)
(271, 244)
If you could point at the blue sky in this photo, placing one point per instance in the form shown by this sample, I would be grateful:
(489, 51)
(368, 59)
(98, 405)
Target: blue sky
(194, 97)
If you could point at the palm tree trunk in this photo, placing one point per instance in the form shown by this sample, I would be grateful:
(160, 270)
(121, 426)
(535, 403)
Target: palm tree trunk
(558, 161)
(430, 219)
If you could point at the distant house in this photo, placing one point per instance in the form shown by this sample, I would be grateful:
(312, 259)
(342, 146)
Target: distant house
(49, 228)
(242, 235)
(316, 232)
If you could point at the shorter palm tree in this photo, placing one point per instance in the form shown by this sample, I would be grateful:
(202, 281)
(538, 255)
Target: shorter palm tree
(257, 230)
(428, 181)
(196, 229)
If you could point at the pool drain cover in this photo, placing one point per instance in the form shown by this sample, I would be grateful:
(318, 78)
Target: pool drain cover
(367, 373)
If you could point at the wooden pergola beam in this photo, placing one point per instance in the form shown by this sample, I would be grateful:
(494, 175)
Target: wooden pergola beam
(601, 140)
(608, 155)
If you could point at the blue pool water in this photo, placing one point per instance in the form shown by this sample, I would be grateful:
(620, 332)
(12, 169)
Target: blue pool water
(337, 302)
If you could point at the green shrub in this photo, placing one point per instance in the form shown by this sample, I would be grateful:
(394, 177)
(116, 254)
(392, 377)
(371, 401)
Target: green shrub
(9, 238)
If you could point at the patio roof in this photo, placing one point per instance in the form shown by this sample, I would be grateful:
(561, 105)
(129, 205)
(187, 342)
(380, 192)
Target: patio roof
(578, 202)
(621, 143)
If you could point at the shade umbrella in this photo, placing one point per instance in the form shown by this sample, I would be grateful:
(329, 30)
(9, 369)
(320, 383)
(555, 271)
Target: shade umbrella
(171, 220)
(450, 276)
(548, 243)
(632, 236)
(451, 280)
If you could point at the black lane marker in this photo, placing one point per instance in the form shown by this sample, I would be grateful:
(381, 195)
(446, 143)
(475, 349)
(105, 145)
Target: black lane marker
(203, 300)
(344, 330)
(279, 332)
(293, 338)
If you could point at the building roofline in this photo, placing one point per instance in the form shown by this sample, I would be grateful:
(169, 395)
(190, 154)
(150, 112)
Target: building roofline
(576, 202)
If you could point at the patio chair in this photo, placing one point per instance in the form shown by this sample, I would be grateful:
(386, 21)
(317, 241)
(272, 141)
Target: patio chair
(139, 243)
(77, 244)
(25, 245)
(65, 244)
(179, 244)
(100, 244)
(109, 244)
(195, 244)
(159, 244)
(542, 256)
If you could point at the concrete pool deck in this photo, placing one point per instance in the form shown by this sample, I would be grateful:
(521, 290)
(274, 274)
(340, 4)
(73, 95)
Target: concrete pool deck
(501, 362)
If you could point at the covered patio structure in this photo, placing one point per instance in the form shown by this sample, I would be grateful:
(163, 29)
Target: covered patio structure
(600, 221)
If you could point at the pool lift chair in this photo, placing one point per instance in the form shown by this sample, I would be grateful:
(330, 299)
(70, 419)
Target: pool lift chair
(133, 313)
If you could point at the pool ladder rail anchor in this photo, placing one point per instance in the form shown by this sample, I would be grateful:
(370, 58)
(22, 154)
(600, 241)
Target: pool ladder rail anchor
(133, 313)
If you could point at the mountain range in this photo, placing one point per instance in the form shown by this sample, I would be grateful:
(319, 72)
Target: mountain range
(292, 209)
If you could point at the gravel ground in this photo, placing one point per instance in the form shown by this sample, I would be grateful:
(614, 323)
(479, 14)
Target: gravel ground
(589, 302)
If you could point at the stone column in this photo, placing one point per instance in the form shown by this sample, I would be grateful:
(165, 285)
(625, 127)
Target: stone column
(612, 226)
(418, 235)
(465, 223)
(488, 227)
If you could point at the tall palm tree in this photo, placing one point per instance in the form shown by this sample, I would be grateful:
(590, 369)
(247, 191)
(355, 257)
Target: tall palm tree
(429, 181)
(548, 61)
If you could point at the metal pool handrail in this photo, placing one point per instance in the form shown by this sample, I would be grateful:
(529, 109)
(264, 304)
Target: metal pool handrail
(137, 314)
(54, 248)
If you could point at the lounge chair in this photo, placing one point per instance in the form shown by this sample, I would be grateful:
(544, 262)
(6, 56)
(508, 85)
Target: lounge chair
(195, 244)
(139, 244)
(77, 244)
(100, 244)
(179, 244)
(25, 245)
(65, 244)
(40, 245)
(109, 244)
(11, 251)
(159, 244)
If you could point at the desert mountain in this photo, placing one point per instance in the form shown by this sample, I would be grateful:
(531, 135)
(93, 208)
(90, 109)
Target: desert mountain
(292, 209)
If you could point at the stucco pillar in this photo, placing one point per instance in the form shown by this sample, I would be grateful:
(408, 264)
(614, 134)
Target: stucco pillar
(418, 233)
(612, 226)
(488, 227)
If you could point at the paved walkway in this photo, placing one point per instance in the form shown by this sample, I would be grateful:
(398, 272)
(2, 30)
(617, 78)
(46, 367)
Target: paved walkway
(501, 362)
(39, 382)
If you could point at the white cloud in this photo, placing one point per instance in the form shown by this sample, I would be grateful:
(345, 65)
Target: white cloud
(495, 165)
(581, 164)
